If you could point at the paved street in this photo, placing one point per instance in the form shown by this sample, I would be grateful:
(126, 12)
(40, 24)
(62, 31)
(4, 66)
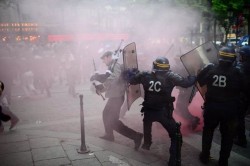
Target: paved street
(49, 133)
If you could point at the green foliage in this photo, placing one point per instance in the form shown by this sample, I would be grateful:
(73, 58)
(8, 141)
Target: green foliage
(200, 5)
(221, 9)
(223, 6)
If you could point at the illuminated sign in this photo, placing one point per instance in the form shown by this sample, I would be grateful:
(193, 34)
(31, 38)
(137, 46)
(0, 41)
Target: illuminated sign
(10, 25)
(17, 27)
(84, 37)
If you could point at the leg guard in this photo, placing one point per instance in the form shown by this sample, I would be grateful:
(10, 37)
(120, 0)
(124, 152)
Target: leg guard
(178, 144)
(175, 149)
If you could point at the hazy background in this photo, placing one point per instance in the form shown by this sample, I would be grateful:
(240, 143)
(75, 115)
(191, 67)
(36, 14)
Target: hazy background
(153, 26)
(34, 67)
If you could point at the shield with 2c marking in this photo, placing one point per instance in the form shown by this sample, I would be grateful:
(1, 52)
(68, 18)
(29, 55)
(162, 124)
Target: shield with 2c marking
(133, 92)
(195, 60)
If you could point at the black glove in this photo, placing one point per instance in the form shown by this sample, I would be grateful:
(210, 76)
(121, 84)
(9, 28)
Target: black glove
(127, 74)
(100, 77)
(192, 78)
(93, 77)
(99, 88)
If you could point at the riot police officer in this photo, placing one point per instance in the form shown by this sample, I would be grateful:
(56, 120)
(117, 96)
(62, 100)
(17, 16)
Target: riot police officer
(244, 65)
(223, 84)
(158, 102)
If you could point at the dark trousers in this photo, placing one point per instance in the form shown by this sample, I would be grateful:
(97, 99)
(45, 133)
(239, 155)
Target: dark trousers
(111, 120)
(225, 115)
(241, 135)
(3, 117)
(166, 120)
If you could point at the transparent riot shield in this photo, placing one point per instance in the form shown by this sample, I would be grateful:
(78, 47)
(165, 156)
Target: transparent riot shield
(130, 61)
(199, 57)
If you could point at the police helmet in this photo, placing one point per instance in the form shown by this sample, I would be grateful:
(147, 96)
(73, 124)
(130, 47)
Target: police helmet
(227, 54)
(245, 53)
(161, 64)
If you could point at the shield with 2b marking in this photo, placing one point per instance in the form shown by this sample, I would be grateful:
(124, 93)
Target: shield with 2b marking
(198, 58)
(130, 61)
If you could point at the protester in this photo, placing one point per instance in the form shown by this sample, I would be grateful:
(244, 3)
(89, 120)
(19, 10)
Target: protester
(114, 87)
(5, 113)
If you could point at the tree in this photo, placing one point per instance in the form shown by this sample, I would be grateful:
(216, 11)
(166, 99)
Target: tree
(227, 13)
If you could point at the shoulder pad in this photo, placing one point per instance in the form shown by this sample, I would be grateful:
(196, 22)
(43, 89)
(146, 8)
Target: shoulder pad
(145, 72)
(171, 74)
(240, 68)
(209, 65)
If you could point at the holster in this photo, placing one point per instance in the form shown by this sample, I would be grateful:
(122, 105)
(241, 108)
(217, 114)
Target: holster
(170, 106)
(167, 106)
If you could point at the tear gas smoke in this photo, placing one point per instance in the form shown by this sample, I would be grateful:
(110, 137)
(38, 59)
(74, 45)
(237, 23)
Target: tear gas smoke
(157, 29)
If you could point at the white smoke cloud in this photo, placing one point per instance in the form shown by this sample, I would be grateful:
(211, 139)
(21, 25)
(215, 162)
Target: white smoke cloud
(155, 27)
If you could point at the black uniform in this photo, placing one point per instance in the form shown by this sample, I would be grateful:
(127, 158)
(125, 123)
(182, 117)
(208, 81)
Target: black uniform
(224, 83)
(158, 103)
(244, 66)
(3, 117)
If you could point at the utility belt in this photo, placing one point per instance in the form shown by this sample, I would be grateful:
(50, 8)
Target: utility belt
(168, 105)
(221, 99)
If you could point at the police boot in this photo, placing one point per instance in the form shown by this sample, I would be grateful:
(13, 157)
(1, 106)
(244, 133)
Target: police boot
(223, 162)
(195, 122)
(146, 146)
(173, 161)
(242, 142)
(205, 158)
(138, 140)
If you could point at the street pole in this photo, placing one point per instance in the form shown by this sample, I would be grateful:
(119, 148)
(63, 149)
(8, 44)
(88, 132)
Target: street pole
(83, 149)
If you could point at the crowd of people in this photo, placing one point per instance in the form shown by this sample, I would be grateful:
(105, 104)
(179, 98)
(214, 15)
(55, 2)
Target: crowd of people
(35, 67)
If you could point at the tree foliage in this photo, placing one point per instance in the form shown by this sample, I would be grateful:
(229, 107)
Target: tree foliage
(222, 7)
(227, 10)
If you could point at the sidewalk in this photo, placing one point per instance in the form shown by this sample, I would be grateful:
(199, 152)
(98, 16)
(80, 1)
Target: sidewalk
(46, 148)
(49, 135)
(36, 147)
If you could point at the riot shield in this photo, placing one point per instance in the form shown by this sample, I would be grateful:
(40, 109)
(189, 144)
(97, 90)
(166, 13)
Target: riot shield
(130, 61)
(199, 57)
